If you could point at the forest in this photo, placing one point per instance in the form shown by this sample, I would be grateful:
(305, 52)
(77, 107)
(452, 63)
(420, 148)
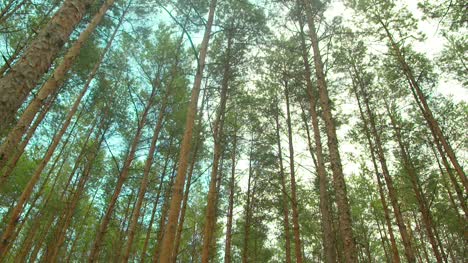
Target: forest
(233, 131)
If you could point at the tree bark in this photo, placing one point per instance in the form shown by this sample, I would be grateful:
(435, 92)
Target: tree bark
(210, 217)
(335, 159)
(409, 252)
(284, 195)
(167, 246)
(227, 247)
(16, 85)
(54, 82)
(122, 177)
(327, 225)
(395, 253)
(295, 212)
(426, 111)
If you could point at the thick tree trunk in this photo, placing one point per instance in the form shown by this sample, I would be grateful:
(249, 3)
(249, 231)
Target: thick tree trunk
(327, 225)
(295, 212)
(210, 218)
(335, 159)
(122, 177)
(284, 192)
(16, 85)
(52, 85)
(167, 246)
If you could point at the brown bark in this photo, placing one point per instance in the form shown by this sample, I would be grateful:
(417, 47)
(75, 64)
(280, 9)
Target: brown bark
(15, 215)
(54, 82)
(327, 225)
(418, 94)
(210, 217)
(167, 245)
(180, 226)
(335, 159)
(295, 212)
(122, 177)
(229, 217)
(16, 85)
(162, 220)
(422, 202)
(11, 164)
(284, 196)
(395, 253)
(63, 223)
(409, 252)
(153, 212)
(146, 172)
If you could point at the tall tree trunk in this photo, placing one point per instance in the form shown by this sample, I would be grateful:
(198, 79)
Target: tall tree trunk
(335, 159)
(327, 225)
(153, 212)
(245, 249)
(162, 220)
(122, 176)
(295, 212)
(424, 107)
(16, 85)
(210, 217)
(227, 247)
(422, 202)
(395, 253)
(52, 85)
(63, 223)
(409, 252)
(284, 192)
(167, 246)
(146, 172)
(16, 213)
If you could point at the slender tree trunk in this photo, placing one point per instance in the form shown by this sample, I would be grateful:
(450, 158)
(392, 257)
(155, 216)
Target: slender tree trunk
(16, 213)
(63, 223)
(52, 85)
(167, 245)
(422, 203)
(162, 220)
(295, 212)
(245, 250)
(395, 253)
(327, 225)
(16, 85)
(335, 159)
(210, 217)
(144, 181)
(409, 252)
(284, 193)
(153, 212)
(229, 217)
(426, 111)
(122, 177)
